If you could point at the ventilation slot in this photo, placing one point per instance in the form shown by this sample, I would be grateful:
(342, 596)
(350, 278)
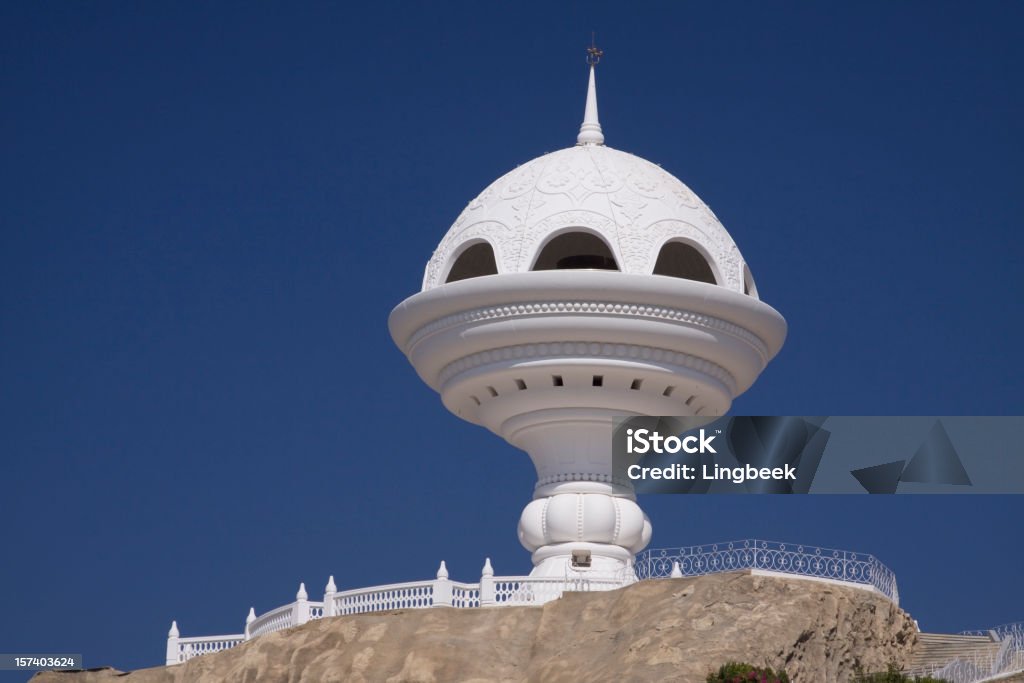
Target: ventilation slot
(492, 391)
(556, 380)
(668, 391)
(475, 400)
(521, 385)
(635, 386)
(598, 380)
(690, 400)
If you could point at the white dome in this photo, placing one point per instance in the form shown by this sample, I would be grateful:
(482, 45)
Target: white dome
(634, 206)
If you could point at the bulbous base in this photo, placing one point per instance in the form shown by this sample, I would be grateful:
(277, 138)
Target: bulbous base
(596, 518)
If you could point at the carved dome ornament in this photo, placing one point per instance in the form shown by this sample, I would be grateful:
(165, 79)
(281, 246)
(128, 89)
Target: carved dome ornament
(634, 206)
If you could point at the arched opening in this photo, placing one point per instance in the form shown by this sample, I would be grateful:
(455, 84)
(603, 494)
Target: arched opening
(475, 261)
(678, 259)
(576, 250)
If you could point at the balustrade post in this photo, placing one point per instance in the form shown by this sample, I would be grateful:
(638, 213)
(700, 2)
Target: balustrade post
(677, 573)
(172, 644)
(329, 592)
(487, 594)
(442, 588)
(248, 622)
(301, 608)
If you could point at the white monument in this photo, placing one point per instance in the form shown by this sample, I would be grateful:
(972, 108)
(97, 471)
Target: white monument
(585, 284)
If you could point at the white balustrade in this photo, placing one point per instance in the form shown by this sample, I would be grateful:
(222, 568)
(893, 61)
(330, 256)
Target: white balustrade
(465, 595)
(412, 595)
(187, 648)
(275, 620)
(523, 590)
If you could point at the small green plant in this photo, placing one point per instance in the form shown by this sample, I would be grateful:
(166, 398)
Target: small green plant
(738, 672)
(893, 675)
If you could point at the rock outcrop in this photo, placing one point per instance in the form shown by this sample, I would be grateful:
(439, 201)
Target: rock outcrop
(665, 630)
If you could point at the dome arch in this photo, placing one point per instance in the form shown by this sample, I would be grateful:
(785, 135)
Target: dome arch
(588, 242)
(474, 257)
(686, 258)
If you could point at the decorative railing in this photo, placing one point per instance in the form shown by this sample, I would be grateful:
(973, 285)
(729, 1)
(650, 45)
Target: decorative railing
(985, 665)
(514, 591)
(820, 563)
(491, 591)
(465, 595)
(1011, 632)
(412, 595)
(786, 558)
(522, 590)
(187, 648)
(1005, 658)
(274, 620)
(823, 564)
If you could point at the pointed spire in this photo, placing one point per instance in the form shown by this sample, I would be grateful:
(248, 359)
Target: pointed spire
(488, 569)
(442, 571)
(590, 131)
(302, 594)
(173, 633)
(252, 616)
(331, 588)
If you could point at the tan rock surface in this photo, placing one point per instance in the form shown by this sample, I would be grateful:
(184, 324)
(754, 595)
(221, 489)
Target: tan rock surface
(666, 630)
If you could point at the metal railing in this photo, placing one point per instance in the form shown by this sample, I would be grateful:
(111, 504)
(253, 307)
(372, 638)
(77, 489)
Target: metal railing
(977, 667)
(1013, 632)
(770, 556)
(988, 665)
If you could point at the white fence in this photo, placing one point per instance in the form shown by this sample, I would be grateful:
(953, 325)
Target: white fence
(438, 592)
(1011, 632)
(1005, 658)
(826, 564)
(992, 665)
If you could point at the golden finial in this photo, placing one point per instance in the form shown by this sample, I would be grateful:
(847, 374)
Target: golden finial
(594, 53)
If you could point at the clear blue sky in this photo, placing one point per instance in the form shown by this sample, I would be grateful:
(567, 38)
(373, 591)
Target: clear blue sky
(208, 211)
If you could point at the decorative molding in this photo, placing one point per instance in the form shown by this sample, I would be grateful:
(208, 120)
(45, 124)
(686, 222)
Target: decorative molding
(563, 477)
(606, 308)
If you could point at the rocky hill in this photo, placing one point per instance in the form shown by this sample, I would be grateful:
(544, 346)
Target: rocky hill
(666, 630)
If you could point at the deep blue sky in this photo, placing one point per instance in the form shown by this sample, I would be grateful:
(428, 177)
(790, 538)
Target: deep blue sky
(208, 211)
